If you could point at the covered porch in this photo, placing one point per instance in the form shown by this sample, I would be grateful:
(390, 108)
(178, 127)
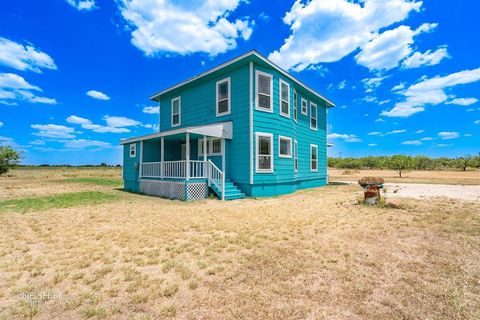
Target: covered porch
(183, 163)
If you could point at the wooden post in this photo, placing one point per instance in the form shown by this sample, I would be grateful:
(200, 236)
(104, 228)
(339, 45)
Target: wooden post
(187, 156)
(162, 156)
(223, 168)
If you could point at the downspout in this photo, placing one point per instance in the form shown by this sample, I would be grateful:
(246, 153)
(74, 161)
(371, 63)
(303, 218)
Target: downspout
(251, 121)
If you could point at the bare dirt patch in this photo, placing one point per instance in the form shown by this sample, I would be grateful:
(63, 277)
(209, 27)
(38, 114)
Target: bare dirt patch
(314, 254)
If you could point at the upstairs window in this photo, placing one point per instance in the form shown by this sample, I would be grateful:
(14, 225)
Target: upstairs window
(295, 156)
(304, 106)
(284, 99)
(264, 157)
(223, 97)
(313, 116)
(313, 158)
(176, 109)
(133, 150)
(264, 92)
(295, 105)
(284, 147)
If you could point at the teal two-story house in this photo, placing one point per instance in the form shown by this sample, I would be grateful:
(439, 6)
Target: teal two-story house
(246, 127)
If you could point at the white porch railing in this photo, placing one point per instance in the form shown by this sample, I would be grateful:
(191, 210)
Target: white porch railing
(178, 170)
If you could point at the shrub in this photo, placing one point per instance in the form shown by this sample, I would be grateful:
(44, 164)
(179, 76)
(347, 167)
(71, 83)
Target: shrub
(9, 159)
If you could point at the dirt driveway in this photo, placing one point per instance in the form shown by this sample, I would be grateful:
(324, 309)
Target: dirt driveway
(424, 190)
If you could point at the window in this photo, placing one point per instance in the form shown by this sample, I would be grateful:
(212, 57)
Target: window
(284, 99)
(200, 146)
(176, 109)
(264, 90)
(216, 147)
(313, 158)
(284, 147)
(133, 150)
(264, 159)
(295, 156)
(313, 116)
(223, 97)
(295, 105)
(304, 106)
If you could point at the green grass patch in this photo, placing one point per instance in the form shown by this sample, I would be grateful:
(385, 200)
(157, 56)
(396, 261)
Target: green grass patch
(63, 200)
(99, 181)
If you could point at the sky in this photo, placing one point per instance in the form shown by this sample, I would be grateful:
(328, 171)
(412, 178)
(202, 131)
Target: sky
(76, 75)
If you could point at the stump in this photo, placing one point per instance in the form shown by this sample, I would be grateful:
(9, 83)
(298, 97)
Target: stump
(372, 186)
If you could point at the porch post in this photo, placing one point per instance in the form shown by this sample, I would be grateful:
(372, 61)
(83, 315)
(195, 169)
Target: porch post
(205, 174)
(187, 156)
(223, 168)
(140, 171)
(162, 155)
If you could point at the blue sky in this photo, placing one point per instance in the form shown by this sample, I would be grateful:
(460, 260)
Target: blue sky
(75, 75)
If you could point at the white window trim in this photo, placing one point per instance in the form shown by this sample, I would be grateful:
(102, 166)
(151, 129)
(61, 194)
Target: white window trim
(295, 155)
(257, 147)
(257, 73)
(295, 105)
(316, 116)
(179, 111)
(211, 147)
(219, 114)
(316, 148)
(134, 149)
(306, 106)
(280, 100)
(290, 142)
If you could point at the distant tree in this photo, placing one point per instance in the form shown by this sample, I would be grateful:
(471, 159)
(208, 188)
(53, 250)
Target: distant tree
(103, 164)
(9, 158)
(465, 162)
(423, 162)
(400, 163)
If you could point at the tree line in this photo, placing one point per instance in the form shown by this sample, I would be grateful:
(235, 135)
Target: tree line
(402, 163)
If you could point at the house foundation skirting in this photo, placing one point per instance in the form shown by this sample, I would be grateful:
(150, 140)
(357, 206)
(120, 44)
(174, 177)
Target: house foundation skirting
(173, 189)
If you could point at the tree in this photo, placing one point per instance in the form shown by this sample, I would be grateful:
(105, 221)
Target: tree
(464, 162)
(9, 159)
(423, 163)
(400, 163)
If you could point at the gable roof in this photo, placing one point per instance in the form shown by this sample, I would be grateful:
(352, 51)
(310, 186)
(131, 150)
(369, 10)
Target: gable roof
(251, 53)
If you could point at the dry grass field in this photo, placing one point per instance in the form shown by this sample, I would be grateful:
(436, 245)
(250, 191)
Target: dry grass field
(470, 177)
(74, 246)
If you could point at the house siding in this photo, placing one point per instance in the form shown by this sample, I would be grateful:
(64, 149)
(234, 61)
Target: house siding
(199, 108)
(283, 179)
(130, 169)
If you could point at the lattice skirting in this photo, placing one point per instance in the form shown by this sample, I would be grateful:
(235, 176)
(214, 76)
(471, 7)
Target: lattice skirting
(181, 190)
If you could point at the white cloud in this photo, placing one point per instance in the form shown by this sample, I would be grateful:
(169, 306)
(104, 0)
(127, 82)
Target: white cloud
(82, 143)
(420, 131)
(98, 95)
(428, 58)
(429, 92)
(151, 110)
(82, 5)
(184, 27)
(345, 137)
(1, 124)
(7, 141)
(328, 30)
(412, 142)
(379, 120)
(372, 144)
(24, 57)
(15, 87)
(119, 122)
(386, 50)
(342, 85)
(372, 83)
(89, 125)
(476, 122)
(397, 131)
(427, 139)
(37, 142)
(446, 135)
(463, 101)
(468, 135)
(53, 131)
(442, 145)
(374, 133)
(398, 87)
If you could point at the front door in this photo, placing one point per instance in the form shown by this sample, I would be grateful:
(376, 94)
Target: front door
(184, 148)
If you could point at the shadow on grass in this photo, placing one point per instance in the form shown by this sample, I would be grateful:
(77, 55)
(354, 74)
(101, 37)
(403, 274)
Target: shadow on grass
(338, 183)
(63, 200)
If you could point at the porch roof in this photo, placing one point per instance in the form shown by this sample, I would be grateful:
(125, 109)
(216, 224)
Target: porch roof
(216, 130)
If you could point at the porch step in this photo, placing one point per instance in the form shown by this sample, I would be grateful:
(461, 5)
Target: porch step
(231, 191)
